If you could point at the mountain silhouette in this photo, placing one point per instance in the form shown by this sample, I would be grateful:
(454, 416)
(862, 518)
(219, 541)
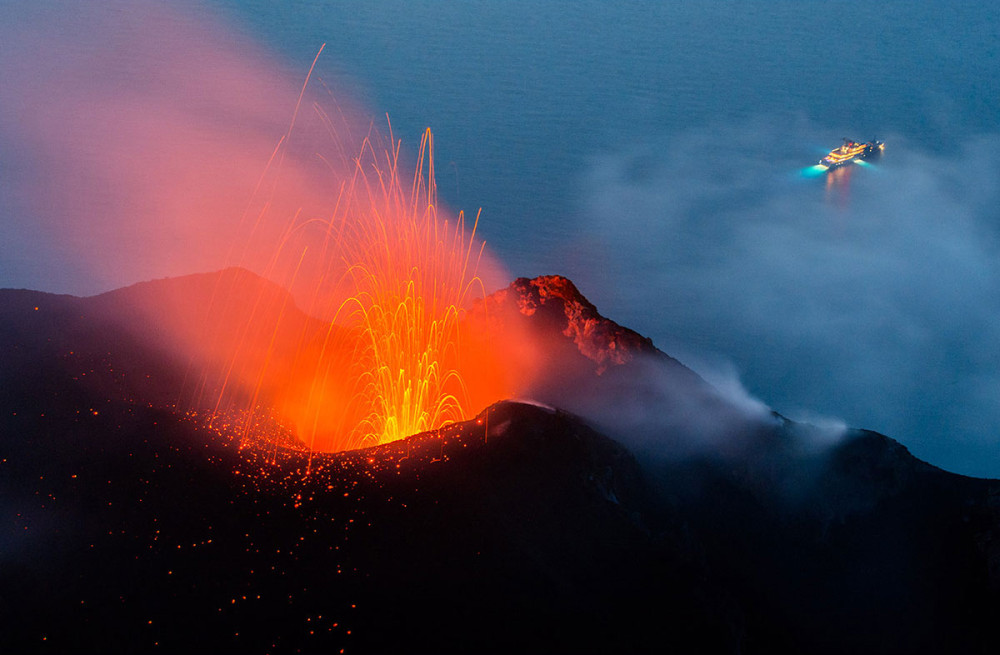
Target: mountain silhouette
(626, 506)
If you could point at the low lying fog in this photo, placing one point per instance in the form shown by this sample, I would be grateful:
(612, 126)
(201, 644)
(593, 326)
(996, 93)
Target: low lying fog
(868, 295)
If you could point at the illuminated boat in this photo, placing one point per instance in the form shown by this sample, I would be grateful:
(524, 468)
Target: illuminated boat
(851, 151)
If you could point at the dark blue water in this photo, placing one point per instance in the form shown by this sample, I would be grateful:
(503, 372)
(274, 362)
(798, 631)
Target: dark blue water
(520, 95)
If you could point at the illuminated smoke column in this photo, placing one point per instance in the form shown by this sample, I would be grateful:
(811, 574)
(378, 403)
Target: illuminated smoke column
(154, 143)
(133, 136)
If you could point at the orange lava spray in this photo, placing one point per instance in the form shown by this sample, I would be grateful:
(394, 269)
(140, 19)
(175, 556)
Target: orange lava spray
(410, 274)
(383, 347)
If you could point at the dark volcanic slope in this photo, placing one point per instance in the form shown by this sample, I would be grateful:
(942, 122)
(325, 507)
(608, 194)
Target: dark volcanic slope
(130, 531)
(128, 528)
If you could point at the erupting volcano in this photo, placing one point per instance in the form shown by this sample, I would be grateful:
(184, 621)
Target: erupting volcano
(332, 423)
(371, 339)
(134, 528)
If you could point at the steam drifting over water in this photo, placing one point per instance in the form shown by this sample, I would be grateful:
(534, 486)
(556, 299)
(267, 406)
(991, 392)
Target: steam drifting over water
(870, 296)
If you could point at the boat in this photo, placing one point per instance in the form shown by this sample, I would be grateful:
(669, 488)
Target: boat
(851, 151)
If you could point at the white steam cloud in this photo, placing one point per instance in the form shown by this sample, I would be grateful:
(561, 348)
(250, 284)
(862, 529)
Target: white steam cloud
(661, 410)
(870, 294)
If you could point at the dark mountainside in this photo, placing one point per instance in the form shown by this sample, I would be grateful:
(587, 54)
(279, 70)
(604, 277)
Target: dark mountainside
(130, 527)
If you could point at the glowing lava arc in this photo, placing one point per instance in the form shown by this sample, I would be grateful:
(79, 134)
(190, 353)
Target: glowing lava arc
(410, 277)
(383, 348)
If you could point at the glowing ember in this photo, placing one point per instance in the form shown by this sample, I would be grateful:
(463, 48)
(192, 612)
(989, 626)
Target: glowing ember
(393, 352)
(409, 275)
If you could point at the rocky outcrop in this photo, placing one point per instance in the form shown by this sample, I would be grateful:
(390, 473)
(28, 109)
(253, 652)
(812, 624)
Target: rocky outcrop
(552, 302)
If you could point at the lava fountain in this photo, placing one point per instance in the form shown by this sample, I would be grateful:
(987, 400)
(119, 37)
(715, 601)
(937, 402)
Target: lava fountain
(410, 274)
(373, 341)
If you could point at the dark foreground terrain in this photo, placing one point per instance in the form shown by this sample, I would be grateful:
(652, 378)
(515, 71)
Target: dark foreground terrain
(128, 526)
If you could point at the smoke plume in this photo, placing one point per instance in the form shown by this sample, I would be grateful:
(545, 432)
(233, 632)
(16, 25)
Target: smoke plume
(142, 141)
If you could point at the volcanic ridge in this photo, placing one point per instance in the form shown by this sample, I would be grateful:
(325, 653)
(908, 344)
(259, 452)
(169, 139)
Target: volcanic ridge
(628, 506)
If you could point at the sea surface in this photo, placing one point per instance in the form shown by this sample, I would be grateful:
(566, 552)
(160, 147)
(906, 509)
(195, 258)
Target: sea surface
(522, 96)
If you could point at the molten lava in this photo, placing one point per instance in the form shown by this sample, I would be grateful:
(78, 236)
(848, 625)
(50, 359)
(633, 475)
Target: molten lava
(383, 346)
